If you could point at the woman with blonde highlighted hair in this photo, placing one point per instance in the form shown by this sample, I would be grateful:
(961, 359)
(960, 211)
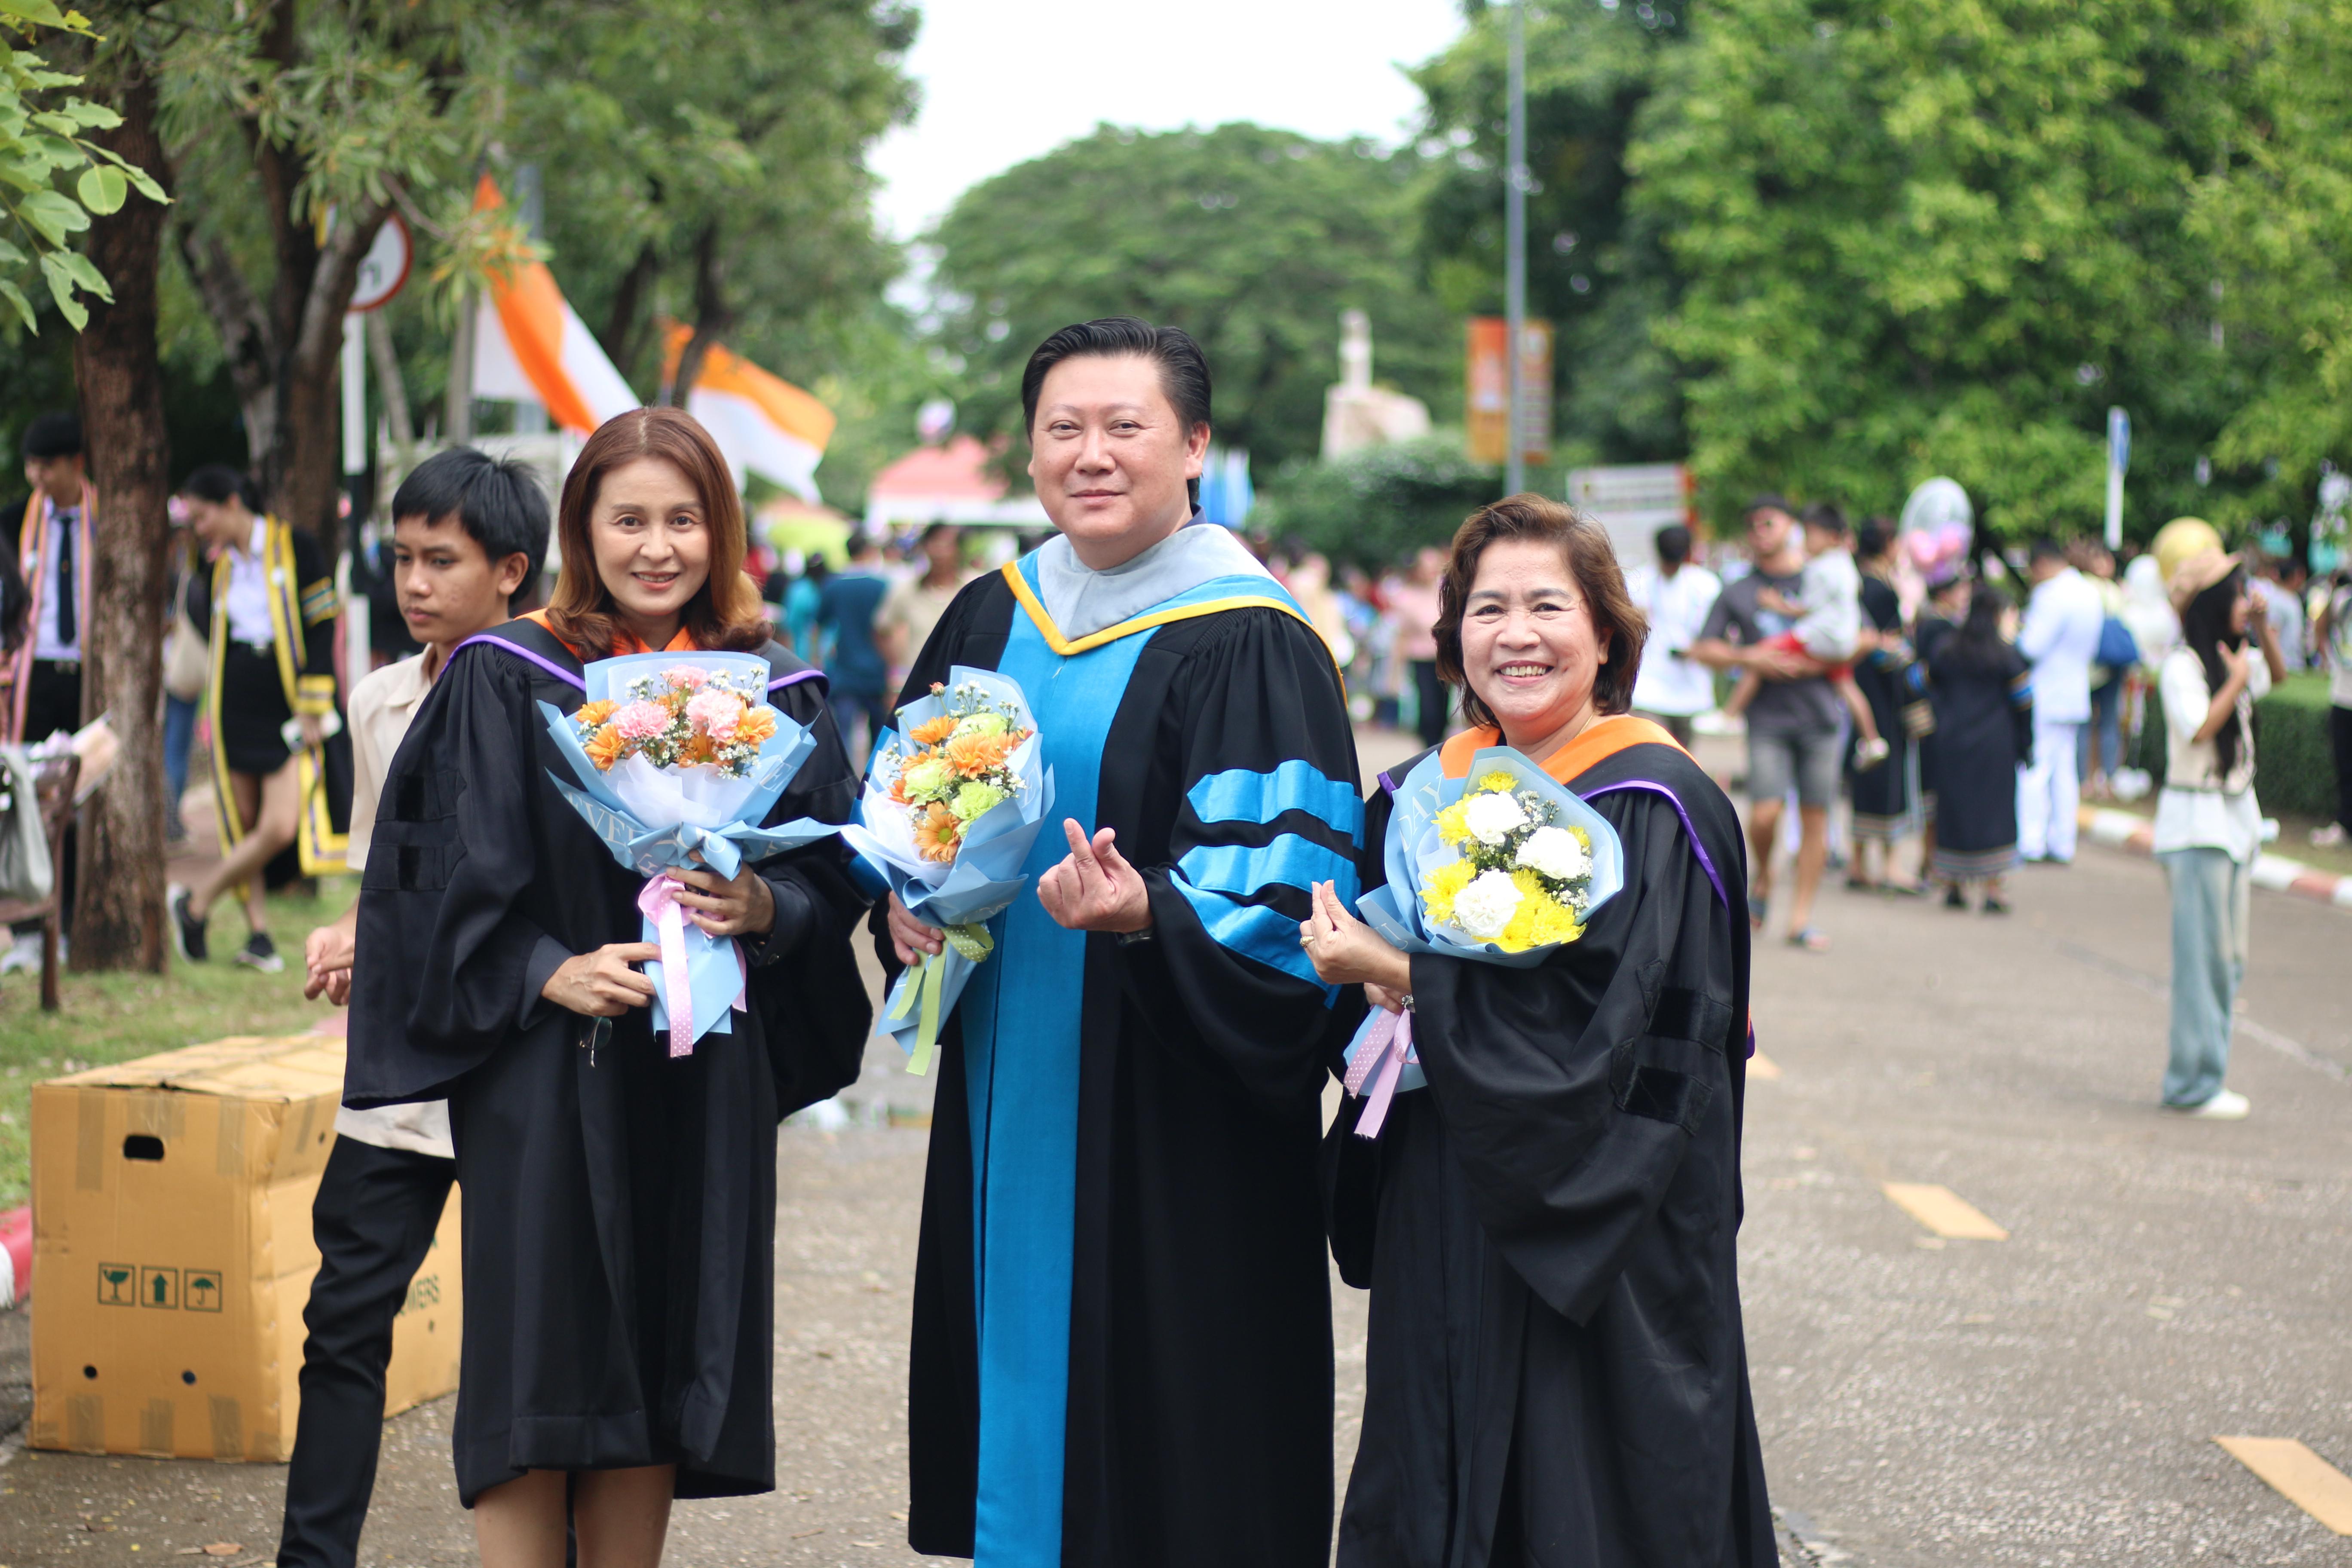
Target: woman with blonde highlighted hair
(619, 1200)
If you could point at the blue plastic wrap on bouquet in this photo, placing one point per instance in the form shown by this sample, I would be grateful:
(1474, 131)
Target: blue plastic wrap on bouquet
(959, 896)
(1412, 849)
(654, 824)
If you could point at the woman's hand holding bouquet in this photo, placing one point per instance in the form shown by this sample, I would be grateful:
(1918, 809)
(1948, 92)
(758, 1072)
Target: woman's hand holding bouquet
(676, 759)
(953, 801)
(1502, 867)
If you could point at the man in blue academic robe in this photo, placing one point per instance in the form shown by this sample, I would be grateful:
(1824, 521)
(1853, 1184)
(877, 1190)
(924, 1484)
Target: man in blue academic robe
(1122, 1338)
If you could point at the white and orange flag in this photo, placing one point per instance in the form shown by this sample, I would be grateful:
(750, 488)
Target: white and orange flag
(529, 342)
(761, 422)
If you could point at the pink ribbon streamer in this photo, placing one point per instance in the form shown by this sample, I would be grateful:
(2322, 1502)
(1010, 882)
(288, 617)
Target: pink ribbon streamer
(1386, 1048)
(658, 903)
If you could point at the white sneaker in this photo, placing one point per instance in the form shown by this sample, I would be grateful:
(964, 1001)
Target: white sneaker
(2327, 837)
(2225, 1105)
(25, 953)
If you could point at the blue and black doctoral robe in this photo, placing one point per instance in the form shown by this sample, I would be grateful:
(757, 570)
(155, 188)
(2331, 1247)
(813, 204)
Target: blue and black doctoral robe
(1556, 1376)
(1122, 1335)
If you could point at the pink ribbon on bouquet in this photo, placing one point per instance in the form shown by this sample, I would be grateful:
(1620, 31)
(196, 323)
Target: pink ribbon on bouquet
(658, 903)
(1386, 1049)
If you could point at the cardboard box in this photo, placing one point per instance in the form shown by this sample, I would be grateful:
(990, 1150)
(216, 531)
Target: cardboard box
(172, 1253)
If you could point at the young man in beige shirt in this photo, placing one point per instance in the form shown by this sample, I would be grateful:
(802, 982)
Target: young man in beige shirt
(469, 535)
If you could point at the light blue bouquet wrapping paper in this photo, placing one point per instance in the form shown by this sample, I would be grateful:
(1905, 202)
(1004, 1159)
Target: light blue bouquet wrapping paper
(655, 821)
(1412, 849)
(959, 896)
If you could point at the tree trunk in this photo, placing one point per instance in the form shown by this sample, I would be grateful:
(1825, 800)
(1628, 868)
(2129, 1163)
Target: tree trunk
(712, 318)
(118, 911)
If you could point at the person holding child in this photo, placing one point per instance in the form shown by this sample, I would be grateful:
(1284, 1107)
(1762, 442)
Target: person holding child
(1793, 722)
(1826, 626)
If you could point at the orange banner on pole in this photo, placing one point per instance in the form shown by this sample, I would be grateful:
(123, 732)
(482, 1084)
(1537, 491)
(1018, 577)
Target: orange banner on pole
(1487, 377)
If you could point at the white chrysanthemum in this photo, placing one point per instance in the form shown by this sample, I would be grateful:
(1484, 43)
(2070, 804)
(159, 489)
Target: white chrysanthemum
(1554, 852)
(1485, 907)
(1492, 818)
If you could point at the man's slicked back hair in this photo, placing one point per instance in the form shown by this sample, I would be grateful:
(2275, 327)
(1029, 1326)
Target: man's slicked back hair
(1183, 368)
(499, 503)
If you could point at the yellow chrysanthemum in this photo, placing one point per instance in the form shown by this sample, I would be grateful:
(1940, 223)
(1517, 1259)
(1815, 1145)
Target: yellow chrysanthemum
(1440, 887)
(1454, 822)
(1498, 783)
(1541, 919)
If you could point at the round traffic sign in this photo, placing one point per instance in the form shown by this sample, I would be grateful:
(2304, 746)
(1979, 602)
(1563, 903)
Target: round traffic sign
(386, 266)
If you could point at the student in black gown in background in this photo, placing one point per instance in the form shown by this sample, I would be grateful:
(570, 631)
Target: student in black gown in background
(1983, 694)
(1557, 1375)
(619, 1204)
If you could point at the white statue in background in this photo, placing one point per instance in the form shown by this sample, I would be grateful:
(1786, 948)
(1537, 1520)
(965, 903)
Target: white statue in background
(1356, 414)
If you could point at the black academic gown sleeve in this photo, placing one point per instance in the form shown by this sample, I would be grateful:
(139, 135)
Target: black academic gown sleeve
(1224, 974)
(1557, 1370)
(454, 918)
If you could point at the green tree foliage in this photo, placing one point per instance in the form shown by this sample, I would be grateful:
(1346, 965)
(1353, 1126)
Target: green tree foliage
(2277, 218)
(1944, 236)
(1376, 507)
(44, 142)
(1596, 266)
(1253, 240)
(279, 114)
(713, 171)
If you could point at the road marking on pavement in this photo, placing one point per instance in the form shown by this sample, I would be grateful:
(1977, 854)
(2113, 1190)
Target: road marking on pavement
(1943, 1211)
(2298, 1475)
(1762, 1066)
(2261, 1033)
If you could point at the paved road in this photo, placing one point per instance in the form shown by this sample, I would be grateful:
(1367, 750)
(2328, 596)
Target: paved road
(2049, 1399)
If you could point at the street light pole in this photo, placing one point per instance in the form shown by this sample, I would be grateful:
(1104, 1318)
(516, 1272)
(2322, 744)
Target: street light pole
(1514, 248)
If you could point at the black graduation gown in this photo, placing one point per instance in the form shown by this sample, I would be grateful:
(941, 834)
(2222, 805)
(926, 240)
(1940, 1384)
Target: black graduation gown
(1557, 1375)
(619, 1209)
(1984, 734)
(1886, 798)
(1198, 1413)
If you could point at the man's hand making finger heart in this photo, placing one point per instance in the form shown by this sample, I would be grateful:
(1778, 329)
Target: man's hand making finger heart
(1093, 887)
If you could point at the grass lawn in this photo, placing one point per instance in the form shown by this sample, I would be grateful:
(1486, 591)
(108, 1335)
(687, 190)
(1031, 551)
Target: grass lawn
(115, 1017)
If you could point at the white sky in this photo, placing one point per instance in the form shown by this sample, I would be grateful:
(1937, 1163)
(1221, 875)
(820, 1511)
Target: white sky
(1006, 81)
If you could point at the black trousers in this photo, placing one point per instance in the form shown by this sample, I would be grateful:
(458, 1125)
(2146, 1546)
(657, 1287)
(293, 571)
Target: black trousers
(2339, 736)
(374, 1216)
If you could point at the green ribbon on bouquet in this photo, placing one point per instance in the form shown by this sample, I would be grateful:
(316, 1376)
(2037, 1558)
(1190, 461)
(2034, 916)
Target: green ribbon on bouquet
(973, 943)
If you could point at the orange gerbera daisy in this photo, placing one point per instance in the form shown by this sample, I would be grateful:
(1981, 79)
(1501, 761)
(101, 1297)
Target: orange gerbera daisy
(755, 726)
(972, 755)
(701, 749)
(595, 713)
(936, 832)
(931, 732)
(605, 747)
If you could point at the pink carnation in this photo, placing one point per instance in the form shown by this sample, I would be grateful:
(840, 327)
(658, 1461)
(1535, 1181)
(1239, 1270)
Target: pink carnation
(641, 720)
(686, 678)
(717, 713)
